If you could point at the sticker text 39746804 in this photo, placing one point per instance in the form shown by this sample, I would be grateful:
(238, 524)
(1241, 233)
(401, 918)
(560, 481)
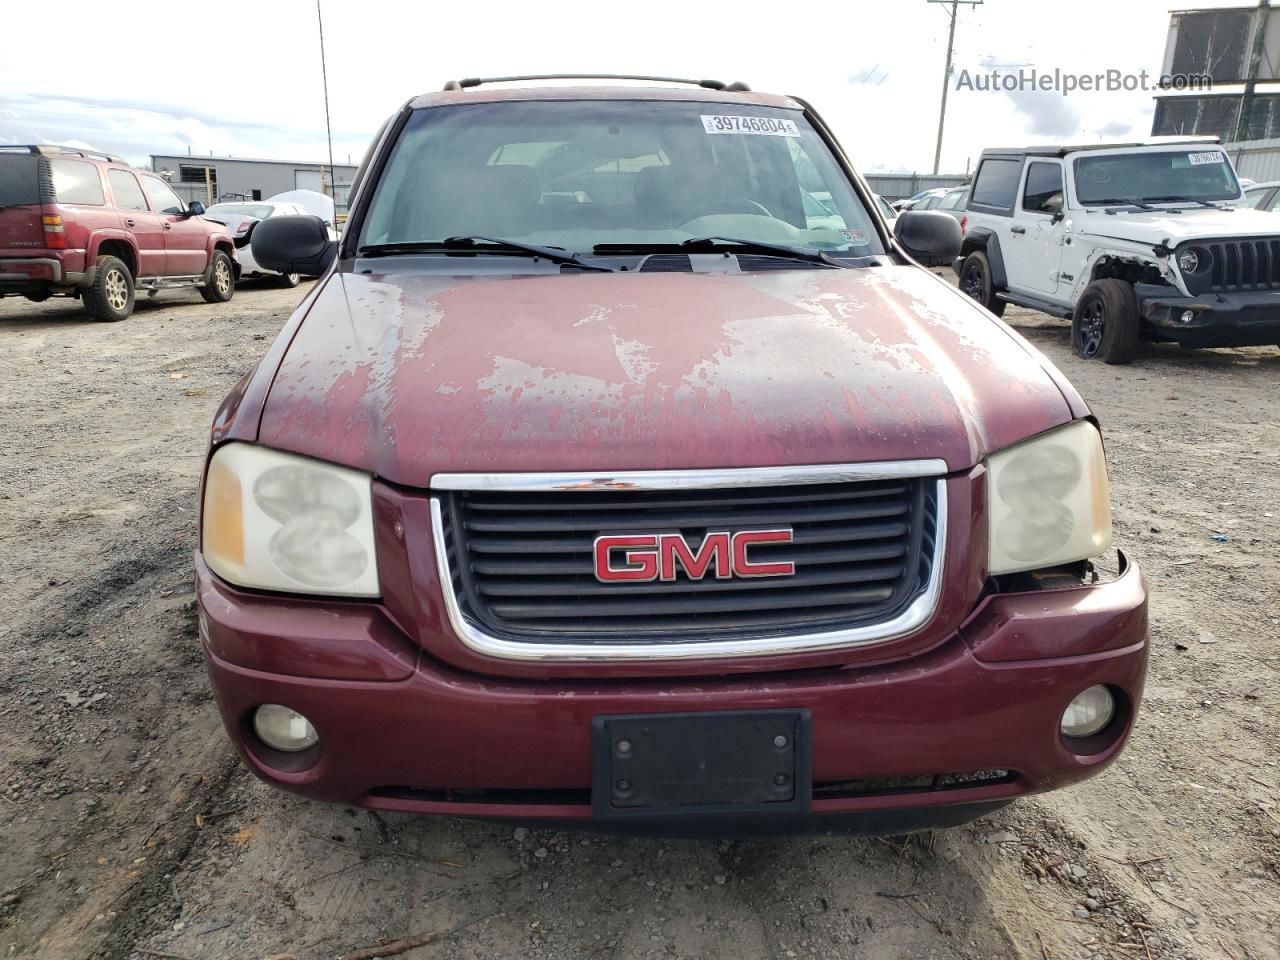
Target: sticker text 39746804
(760, 126)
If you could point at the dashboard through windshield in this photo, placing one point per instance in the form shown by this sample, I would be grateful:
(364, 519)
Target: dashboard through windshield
(577, 174)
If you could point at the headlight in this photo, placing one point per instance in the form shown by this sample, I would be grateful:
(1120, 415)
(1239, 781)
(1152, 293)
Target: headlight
(1048, 500)
(275, 521)
(1194, 264)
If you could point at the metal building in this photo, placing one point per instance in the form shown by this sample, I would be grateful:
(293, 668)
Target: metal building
(896, 186)
(210, 179)
(1238, 48)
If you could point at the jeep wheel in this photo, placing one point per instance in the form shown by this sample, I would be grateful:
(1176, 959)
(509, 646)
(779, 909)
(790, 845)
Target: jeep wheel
(1105, 323)
(110, 297)
(975, 282)
(287, 280)
(222, 280)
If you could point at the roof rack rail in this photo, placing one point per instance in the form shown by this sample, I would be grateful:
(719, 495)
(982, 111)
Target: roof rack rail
(53, 149)
(736, 87)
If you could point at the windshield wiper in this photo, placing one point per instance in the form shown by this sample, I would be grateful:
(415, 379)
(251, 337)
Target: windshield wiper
(712, 244)
(492, 245)
(1125, 202)
(722, 245)
(1203, 203)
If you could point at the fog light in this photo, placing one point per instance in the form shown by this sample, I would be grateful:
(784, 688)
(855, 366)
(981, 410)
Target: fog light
(1187, 316)
(1088, 713)
(283, 729)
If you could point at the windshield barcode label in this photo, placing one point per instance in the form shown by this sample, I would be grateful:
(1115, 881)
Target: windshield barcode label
(762, 126)
(1198, 158)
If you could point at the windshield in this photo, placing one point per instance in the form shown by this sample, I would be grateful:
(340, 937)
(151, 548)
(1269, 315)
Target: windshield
(1153, 177)
(575, 174)
(259, 210)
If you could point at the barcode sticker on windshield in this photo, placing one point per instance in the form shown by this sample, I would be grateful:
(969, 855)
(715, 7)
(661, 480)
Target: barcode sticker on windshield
(762, 126)
(1198, 158)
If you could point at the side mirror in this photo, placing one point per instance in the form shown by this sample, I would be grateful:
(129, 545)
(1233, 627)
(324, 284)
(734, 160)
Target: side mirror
(294, 244)
(195, 209)
(927, 234)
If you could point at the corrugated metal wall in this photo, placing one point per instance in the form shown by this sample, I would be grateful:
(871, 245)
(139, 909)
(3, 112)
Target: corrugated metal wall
(895, 186)
(1256, 159)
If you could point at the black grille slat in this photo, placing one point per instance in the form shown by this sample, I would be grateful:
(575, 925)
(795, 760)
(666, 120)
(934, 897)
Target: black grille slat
(627, 500)
(802, 558)
(655, 606)
(655, 519)
(802, 580)
(824, 533)
(1252, 264)
(523, 563)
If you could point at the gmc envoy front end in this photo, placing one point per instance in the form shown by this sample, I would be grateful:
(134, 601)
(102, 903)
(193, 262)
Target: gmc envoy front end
(769, 529)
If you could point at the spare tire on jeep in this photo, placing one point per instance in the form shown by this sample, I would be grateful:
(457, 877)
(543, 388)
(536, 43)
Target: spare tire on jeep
(1105, 323)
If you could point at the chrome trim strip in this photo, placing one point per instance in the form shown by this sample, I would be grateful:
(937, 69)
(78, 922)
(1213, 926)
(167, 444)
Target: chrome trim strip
(689, 479)
(605, 651)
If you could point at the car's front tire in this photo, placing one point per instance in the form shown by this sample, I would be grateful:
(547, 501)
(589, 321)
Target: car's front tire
(110, 297)
(1105, 324)
(976, 282)
(287, 280)
(222, 280)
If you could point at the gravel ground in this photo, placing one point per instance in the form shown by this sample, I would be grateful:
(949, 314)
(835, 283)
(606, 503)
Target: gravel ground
(128, 830)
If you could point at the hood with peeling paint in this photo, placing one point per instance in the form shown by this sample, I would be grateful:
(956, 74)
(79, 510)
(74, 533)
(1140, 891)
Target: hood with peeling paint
(407, 375)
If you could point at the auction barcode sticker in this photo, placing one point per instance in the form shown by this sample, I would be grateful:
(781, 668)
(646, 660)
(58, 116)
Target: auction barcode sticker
(762, 126)
(1198, 158)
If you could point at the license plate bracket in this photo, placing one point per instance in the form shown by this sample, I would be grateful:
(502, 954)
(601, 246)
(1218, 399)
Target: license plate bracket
(701, 764)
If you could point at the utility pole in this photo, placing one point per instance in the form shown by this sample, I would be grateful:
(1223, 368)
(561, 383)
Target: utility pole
(324, 77)
(946, 75)
(1251, 75)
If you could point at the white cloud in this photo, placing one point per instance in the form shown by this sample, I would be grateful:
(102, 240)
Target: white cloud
(248, 82)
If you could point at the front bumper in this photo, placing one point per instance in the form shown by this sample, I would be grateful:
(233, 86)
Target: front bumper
(417, 735)
(1220, 319)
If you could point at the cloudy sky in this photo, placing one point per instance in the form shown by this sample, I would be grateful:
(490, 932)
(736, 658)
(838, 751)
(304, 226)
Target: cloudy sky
(242, 77)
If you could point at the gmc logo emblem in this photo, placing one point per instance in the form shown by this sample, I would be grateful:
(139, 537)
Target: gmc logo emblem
(656, 556)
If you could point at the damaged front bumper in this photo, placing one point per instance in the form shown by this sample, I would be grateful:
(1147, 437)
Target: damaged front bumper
(1246, 319)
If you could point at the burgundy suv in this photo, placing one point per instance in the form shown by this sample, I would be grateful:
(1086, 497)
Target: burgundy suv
(84, 224)
(770, 528)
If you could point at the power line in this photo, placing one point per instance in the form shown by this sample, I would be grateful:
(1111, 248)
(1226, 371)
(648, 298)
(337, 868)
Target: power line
(946, 75)
(324, 77)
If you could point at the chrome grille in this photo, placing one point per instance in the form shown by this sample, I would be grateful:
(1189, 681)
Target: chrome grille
(520, 565)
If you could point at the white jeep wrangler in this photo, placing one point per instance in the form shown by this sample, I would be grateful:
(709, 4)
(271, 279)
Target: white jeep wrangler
(1129, 241)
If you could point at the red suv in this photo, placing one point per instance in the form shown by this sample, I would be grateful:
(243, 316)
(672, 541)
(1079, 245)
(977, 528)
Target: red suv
(84, 224)
(770, 528)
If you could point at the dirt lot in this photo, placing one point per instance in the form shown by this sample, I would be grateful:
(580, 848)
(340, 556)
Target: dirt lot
(128, 830)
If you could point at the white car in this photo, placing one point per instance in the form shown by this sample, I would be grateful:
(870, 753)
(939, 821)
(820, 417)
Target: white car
(910, 202)
(1262, 196)
(240, 218)
(1130, 241)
